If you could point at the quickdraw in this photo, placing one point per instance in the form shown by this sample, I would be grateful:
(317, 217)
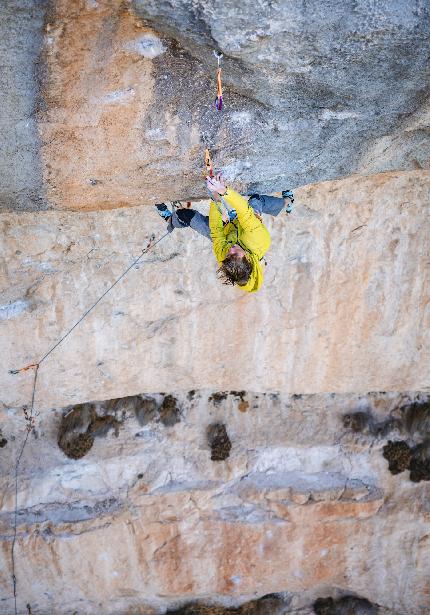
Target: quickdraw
(208, 170)
(218, 100)
(24, 369)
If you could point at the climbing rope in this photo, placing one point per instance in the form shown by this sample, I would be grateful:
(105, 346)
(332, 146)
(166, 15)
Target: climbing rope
(29, 418)
(30, 415)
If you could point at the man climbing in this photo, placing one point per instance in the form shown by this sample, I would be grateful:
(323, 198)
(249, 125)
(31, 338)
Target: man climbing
(240, 240)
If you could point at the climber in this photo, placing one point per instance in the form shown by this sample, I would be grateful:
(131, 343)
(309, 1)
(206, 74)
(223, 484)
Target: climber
(240, 239)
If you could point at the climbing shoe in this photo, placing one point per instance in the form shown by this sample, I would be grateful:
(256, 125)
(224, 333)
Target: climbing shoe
(163, 211)
(288, 194)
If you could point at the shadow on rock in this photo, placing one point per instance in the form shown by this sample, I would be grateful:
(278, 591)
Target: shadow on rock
(413, 422)
(272, 604)
(3, 440)
(420, 463)
(147, 410)
(347, 605)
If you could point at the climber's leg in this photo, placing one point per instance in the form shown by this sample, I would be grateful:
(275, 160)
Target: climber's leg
(265, 204)
(272, 205)
(182, 218)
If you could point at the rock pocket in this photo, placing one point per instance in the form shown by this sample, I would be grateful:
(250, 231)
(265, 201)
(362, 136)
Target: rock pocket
(218, 441)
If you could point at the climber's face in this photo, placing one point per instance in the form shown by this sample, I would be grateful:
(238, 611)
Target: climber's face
(236, 251)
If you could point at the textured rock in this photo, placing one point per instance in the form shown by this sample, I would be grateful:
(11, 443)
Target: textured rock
(21, 35)
(129, 499)
(147, 521)
(273, 604)
(123, 105)
(344, 307)
(347, 605)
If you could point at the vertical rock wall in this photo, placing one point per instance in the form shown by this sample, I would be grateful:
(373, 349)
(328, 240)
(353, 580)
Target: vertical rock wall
(224, 447)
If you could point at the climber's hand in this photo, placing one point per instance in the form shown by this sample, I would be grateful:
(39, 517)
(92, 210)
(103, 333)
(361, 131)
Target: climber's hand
(216, 184)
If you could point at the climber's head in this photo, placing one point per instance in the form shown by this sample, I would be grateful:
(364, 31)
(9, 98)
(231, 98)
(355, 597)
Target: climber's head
(235, 268)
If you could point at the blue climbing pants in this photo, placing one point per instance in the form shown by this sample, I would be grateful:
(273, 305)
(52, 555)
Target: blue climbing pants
(260, 203)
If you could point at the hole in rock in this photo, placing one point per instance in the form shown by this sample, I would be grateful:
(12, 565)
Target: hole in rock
(218, 441)
(398, 455)
(272, 604)
(239, 394)
(347, 605)
(80, 426)
(217, 398)
(169, 411)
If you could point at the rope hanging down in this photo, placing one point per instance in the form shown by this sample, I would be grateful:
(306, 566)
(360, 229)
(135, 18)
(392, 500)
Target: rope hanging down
(30, 415)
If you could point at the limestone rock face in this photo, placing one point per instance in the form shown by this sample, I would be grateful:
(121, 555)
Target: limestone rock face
(115, 100)
(300, 504)
(146, 521)
(344, 306)
(195, 445)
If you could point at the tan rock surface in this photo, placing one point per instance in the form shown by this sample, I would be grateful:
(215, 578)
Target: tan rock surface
(146, 520)
(99, 87)
(108, 104)
(344, 307)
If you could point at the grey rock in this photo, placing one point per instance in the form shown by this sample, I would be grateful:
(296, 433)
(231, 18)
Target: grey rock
(312, 91)
(311, 88)
(21, 38)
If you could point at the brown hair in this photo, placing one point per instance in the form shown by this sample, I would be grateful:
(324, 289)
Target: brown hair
(235, 270)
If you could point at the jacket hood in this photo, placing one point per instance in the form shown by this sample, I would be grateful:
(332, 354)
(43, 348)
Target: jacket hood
(256, 278)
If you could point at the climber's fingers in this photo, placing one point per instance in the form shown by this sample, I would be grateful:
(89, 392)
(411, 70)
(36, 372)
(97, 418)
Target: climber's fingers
(210, 183)
(216, 184)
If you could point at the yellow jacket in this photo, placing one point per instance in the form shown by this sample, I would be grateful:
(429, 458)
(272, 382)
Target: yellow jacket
(246, 230)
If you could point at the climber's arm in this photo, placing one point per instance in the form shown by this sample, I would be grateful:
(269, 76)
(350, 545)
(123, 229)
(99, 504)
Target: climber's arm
(245, 214)
(255, 236)
(217, 233)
